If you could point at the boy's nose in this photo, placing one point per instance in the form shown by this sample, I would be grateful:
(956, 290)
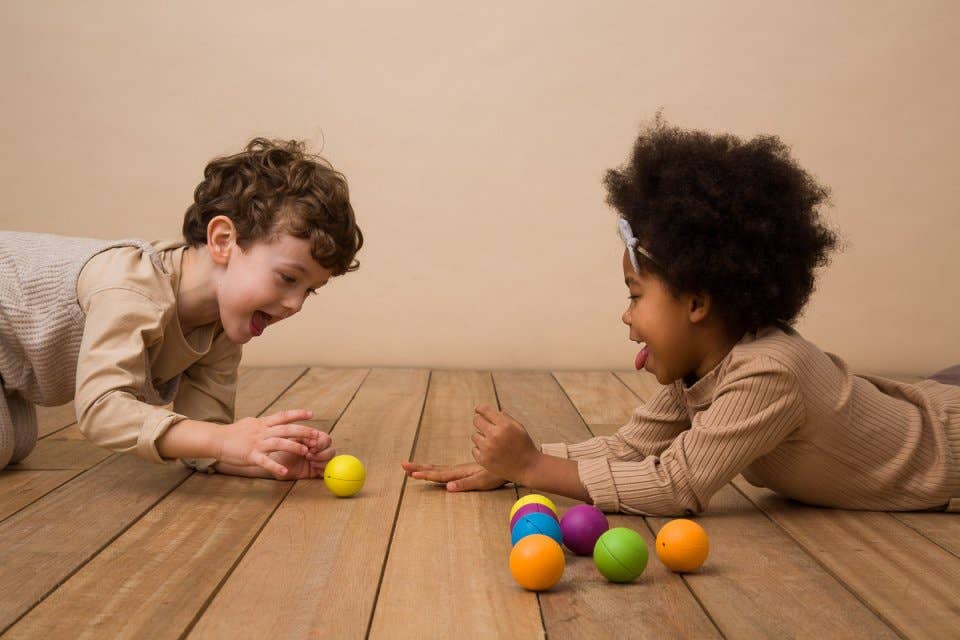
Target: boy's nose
(292, 304)
(626, 317)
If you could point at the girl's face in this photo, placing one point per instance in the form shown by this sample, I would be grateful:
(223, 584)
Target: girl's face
(662, 321)
(265, 283)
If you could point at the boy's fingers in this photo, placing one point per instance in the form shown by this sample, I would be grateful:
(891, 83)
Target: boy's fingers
(287, 415)
(271, 465)
(292, 431)
(282, 444)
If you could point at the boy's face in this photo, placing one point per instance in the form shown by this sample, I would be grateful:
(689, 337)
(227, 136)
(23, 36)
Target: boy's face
(662, 321)
(265, 283)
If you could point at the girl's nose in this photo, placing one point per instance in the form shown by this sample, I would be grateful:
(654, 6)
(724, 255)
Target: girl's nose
(626, 317)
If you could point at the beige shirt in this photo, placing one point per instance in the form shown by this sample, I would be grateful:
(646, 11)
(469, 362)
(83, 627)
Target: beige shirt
(789, 417)
(133, 353)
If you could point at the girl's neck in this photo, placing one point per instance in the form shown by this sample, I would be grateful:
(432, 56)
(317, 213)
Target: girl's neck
(197, 295)
(715, 343)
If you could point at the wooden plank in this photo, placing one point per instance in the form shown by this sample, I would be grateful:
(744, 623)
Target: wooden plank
(941, 528)
(316, 565)
(604, 403)
(91, 493)
(746, 598)
(52, 419)
(453, 546)
(584, 604)
(326, 392)
(160, 573)
(759, 583)
(258, 387)
(61, 453)
(153, 579)
(20, 488)
(908, 580)
(642, 383)
(46, 541)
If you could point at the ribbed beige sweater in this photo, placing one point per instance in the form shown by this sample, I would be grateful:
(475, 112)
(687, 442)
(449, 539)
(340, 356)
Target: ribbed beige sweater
(789, 417)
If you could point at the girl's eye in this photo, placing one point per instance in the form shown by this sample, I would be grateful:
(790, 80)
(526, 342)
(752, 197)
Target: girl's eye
(288, 279)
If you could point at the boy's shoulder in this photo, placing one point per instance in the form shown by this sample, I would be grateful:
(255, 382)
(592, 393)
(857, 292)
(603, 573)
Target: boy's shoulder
(147, 268)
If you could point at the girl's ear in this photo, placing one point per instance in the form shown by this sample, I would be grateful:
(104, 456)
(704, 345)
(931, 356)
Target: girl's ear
(700, 305)
(221, 239)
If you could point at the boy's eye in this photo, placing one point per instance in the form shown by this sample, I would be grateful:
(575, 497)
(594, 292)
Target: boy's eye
(288, 279)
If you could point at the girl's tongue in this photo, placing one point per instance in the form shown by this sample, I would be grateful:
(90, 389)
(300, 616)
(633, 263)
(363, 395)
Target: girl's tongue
(642, 357)
(258, 322)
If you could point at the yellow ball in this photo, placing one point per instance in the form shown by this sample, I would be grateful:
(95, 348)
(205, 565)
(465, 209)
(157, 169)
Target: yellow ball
(344, 476)
(530, 499)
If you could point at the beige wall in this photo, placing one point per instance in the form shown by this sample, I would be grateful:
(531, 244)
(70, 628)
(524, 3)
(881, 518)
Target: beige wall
(474, 136)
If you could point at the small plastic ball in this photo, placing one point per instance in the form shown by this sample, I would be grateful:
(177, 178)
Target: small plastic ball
(344, 475)
(536, 523)
(620, 554)
(682, 545)
(537, 562)
(534, 498)
(582, 525)
(533, 507)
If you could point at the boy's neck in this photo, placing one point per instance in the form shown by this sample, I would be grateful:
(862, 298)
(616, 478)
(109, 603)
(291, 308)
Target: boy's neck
(197, 295)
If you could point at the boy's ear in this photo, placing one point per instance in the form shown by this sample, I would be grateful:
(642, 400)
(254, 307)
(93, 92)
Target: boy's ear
(221, 238)
(700, 305)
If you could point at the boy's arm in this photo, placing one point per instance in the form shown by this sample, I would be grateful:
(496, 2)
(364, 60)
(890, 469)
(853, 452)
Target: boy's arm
(112, 412)
(208, 392)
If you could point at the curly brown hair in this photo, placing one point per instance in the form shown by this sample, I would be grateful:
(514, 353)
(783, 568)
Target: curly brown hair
(274, 187)
(738, 220)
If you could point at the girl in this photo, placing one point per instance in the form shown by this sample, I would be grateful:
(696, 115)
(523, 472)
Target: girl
(722, 238)
(126, 327)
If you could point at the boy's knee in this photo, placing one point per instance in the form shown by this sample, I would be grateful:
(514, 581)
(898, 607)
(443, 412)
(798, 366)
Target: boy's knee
(18, 428)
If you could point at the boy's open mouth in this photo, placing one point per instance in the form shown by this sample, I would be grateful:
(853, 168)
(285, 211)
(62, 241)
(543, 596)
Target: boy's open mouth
(259, 322)
(642, 357)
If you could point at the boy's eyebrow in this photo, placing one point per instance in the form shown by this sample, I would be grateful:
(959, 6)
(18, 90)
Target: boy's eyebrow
(297, 266)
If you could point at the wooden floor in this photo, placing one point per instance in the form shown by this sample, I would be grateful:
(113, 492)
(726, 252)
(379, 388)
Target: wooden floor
(97, 545)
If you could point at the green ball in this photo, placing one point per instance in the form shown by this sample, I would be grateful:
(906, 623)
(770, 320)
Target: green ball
(620, 554)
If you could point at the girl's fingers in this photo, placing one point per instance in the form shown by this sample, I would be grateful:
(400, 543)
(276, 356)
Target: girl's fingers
(489, 413)
(439, 475)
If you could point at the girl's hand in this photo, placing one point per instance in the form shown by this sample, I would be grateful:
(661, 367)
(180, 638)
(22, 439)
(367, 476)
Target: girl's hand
(253, 441)
(502, 446)
(469, 476)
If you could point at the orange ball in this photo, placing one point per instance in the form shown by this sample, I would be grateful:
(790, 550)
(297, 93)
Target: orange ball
(682, 545)
(537, 562)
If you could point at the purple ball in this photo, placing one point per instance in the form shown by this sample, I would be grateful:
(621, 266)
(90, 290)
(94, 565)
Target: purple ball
(582, 525)
(533, 507)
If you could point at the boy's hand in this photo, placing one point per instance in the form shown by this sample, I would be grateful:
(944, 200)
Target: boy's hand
(469, 476)
(309, 466)
(252, 441)
(502, 445)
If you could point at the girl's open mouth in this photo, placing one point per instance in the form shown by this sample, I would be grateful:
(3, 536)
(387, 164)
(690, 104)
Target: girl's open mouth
(642, 357)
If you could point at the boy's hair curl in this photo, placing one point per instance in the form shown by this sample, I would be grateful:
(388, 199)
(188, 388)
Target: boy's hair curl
(274, 187)
(737, 220)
